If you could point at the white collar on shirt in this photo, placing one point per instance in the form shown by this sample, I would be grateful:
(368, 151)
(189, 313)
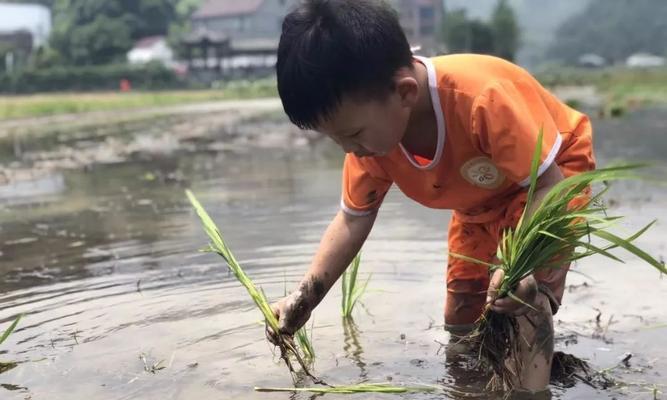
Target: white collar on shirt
(439, 117)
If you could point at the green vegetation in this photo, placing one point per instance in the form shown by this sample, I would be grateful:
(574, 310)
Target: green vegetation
(98, 77)
(10, 329)
(305, 341)
(499, 36)
(47, 3)
(350, 287)
(621, 29)
(619, 86)
(217, 245)
(360, 388)
(5, 366)
(506, 32)
(287, 347)
(96, 32)
(63, 103)
(558, 232)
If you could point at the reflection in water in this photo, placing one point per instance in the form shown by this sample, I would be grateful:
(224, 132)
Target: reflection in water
(352, 348)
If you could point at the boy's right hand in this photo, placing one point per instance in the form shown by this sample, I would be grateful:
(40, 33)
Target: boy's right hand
(292, 312)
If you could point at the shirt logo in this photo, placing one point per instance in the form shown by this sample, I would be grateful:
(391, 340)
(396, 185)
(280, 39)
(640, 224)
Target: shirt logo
(481, 172)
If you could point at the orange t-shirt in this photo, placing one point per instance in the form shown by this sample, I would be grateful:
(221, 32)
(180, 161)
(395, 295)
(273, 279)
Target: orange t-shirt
(489, 113)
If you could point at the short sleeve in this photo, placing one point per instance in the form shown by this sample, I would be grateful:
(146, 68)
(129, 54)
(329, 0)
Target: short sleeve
(365, 183)
(506, 121)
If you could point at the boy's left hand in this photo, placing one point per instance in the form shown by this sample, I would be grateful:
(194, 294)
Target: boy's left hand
(526, 291)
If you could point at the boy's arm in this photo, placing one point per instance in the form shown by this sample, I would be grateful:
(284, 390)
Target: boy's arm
(340, 243)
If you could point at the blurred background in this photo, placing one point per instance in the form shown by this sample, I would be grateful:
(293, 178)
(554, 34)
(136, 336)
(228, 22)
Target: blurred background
(229, 46)
(110, 109)
(188, 47)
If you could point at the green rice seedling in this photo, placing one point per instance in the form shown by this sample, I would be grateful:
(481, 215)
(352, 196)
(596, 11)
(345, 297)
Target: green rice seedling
(10, 329)
(305, 342)
(351, 290)
(217, 245)
(360, 388)
(6, 366)
(556, 233)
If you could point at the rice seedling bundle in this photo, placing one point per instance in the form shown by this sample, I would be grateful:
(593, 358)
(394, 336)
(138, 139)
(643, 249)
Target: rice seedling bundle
(217, 245)
(286, 342)
(556, 233)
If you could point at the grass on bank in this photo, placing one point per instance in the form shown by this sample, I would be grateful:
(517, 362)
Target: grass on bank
(23, 106)
(619, 86)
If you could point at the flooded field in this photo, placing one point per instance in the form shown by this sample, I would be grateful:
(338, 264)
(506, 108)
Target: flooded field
(102, 258)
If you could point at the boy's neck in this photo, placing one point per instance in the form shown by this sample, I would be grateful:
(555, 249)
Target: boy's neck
(421, 134)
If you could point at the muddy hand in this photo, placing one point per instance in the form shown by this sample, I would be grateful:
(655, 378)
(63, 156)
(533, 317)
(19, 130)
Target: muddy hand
(526, 291)
(292, 312)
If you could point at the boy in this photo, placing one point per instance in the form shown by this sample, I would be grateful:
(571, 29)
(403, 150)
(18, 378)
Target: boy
(454, 132)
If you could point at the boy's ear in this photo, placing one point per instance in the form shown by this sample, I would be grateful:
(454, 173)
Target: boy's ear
(407, 89)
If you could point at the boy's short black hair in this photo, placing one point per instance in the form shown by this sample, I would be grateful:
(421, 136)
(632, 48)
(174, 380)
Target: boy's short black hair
(333, 48)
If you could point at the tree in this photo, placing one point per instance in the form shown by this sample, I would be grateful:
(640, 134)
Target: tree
(47, 3)
(505, 31)
(99, 31)
(482, 40)
(457, 35)
(181, 26)
(613, 30)
(498, 37)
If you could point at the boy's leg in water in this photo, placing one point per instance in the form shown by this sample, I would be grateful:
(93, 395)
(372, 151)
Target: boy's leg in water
(466, 287)
(467, 282)
(536, 332)
(464, 301)
(536, 346)
(536, 335)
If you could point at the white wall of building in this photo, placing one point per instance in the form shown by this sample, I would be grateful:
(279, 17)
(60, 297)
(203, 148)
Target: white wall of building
(32, 17)
(159, 51)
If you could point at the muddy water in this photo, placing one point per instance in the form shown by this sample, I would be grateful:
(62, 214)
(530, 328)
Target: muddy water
(103, 262)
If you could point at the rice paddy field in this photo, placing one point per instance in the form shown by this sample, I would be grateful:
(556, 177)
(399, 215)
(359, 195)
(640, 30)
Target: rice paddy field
(118, 303)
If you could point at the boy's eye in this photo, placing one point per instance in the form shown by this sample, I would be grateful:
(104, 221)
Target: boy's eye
(357, 133)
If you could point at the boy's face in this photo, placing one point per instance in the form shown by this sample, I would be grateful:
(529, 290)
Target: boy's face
(369, 127)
